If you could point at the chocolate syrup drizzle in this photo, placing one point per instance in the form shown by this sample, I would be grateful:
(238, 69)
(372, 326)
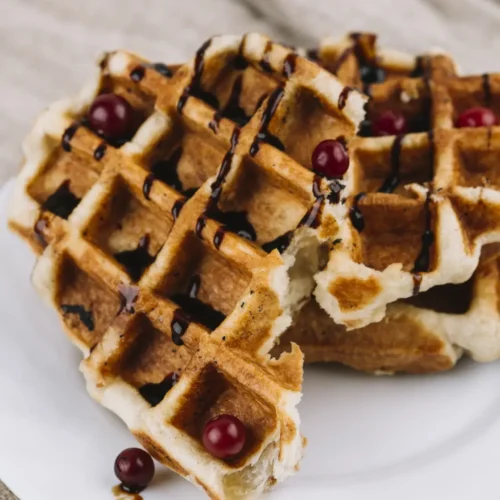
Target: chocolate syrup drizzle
(343, 97)
(423, 261)
(100, 151)
(128, 297)
(68, 135)
(62, 202)
(163, 69)
(313, 55)
(369, 70)
(136, 261)
(392, 182)
(486, 89)
(421, 67)
(313, 215)
(264, 135)
(176, 209)
(86, 317)
(264, 62)
(232, 109)
(235, 222)
(194, 88)
(341, 60)
(193, 309)
(281, 243)
(137, 74)
(38, 229)
(154, 393)
(239, 62)
(200, 225)
(355, 213)
(289, 64)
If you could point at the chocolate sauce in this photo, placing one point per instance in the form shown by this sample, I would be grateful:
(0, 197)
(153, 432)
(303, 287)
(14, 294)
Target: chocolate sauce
(281, 243)
(62, 202)
(392, 182)
(236, 222)
(68, 135)
(164, 171)
(176, 209)
(216, 187)
(179, 325)
(137, 74)
(200, 225)
(219, 237)
(486, 89)
(194, 286)
(420, 69)
(313, 55)
(417, 282)
(369, 70)
(148, 184)
(154, 393)
(355, 213)
(194, 87)
(343, 97)
(311, 218)
(128, 297)
(86, 317)
(163, 69)
(232, 109)
(100, 151)
(289, 64)
(195, 310)
(341, 60)
(264, 62)
(335, 189)
(263, 135)
(239, 62)
(423, 262)
(136, 261)
(39, 228)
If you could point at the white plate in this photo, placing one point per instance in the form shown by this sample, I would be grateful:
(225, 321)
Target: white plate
(405, 437)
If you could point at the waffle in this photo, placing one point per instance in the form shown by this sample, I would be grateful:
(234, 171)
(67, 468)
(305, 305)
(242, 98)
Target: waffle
(423, 334)
(160, 253)
(422, 204)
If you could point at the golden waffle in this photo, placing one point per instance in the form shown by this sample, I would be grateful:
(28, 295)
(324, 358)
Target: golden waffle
(421, 204)
(426, 333)
(149, 282)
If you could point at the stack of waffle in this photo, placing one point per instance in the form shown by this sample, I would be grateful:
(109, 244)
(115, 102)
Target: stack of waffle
(188, 258)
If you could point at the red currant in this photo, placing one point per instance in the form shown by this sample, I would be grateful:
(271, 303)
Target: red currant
(389, 123)
(224, 436)
(330, 158)
(111, 116)
(135, 469)
(477, 117)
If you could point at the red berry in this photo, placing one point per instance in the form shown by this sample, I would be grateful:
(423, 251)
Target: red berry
(135, 469)
(477, 117)
(224, 436)
(330, 158)
(111, 116)
(389, 123)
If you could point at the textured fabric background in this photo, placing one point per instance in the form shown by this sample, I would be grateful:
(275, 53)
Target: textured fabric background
(47, 47)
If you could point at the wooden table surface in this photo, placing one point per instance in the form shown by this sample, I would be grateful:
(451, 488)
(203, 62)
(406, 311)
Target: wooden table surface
(48, 47)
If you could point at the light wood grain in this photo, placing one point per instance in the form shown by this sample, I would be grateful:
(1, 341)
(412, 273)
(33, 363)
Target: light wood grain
(47, 47)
